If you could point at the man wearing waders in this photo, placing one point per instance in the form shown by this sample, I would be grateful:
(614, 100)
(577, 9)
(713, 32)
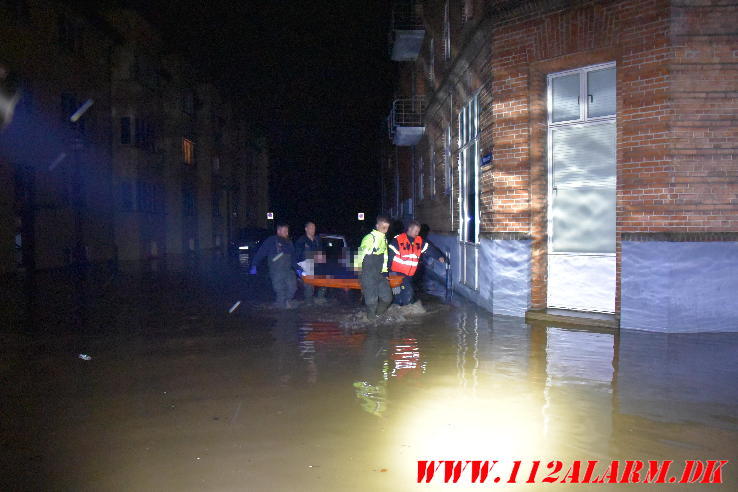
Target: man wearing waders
(372, 265)
(405, 252)
(279, 252)
(309, 248)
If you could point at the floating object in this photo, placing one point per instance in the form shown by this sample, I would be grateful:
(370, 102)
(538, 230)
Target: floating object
(234, 307)
(345, 283)
(85, 357)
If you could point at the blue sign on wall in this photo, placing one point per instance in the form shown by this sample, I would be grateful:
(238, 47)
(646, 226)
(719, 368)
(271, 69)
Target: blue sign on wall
(486, 159)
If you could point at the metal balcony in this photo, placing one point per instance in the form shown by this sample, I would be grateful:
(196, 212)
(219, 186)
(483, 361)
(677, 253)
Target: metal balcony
(406, 121)
(408, 30)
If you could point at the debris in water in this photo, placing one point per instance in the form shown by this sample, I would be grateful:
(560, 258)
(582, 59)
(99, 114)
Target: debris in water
(85, 357)
(234, 307)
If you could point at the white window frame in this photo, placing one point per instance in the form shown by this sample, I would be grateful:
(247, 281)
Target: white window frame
(446, 32)
(421, 178)
(432, 62)
(467, 10)
(583, 120)
(432, 163)
(467, 144)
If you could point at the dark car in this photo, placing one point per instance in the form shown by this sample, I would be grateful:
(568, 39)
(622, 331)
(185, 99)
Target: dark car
(247, 243)
(334, 245)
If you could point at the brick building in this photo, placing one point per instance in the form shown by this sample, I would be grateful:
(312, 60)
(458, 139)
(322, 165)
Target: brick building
(574, 157)
(158, 169)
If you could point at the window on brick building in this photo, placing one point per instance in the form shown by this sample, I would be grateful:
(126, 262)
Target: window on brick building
(160, 197)
(188, 102)
(447, 174)
(188, 151)
(145, 71)
(397, 184)
(188, 202)
(581, 162)
(467, 10)
(446, 32)
(125, 130)
(432, 177)
(216, 203)
(20, 13)
(145, 135)
(70, 35)
(468, 158)
(145, 192)
(421, 178)
(431, 62)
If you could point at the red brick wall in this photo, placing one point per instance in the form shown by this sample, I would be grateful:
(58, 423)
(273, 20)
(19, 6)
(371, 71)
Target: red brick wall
(634, 34)
(703, 173)
(677, 97)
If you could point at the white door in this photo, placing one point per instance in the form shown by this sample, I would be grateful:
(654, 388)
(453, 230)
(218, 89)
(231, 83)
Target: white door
(582, 189)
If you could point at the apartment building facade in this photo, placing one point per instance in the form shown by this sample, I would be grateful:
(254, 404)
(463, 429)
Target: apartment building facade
(574, 159)
(151, 174)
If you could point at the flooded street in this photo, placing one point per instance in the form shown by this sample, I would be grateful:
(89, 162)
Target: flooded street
(181, 395)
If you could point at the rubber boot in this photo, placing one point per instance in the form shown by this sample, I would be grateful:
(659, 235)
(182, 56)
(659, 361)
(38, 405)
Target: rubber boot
(382, 307)
(371, 311)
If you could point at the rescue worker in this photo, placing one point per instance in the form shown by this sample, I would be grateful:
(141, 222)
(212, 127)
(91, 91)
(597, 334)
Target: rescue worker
(371, 263)
(405, 252)
(279, 251)
(309, 247)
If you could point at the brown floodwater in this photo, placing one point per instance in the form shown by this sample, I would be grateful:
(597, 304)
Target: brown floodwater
(180, 395)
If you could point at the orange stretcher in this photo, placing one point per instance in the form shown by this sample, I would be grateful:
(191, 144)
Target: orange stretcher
(345, 283)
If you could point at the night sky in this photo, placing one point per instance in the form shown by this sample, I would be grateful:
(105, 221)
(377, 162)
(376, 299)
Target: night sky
(315, 77)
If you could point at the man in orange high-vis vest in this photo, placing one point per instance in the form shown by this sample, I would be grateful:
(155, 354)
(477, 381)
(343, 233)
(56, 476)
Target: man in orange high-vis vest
(405, 251)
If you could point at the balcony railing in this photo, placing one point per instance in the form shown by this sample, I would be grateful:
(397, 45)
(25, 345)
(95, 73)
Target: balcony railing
(406, 123)
(408, 30)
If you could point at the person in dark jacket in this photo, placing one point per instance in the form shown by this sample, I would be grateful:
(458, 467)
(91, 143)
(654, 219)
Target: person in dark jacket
(310, 247)
(405, 251)
(280, 254)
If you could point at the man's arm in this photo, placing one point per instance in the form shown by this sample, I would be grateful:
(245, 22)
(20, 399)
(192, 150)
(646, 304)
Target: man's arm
(366, 247)
(393, 248)
(433, 251)
(299, 250)
(264, 249)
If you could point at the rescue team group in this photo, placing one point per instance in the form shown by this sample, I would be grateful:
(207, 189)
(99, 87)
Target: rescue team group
(375, 259)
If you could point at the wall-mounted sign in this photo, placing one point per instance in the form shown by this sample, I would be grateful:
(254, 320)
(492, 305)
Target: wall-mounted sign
(360, 216)
(270, 215)
(486, 159)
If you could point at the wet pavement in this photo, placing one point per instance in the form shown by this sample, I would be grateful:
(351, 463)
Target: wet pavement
(181, 395)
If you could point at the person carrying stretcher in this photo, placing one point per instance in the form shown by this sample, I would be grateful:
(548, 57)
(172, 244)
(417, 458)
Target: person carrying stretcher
(371, 262)
(405, 251)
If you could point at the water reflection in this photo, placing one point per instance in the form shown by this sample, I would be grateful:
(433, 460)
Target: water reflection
(498, 388)
(260, 395)
(404, 360)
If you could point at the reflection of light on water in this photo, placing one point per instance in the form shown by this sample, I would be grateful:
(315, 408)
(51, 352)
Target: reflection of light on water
(406, 357)
(467, 334)
(454, 425)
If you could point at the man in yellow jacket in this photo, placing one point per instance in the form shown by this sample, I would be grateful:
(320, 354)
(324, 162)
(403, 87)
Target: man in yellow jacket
(371, 263)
